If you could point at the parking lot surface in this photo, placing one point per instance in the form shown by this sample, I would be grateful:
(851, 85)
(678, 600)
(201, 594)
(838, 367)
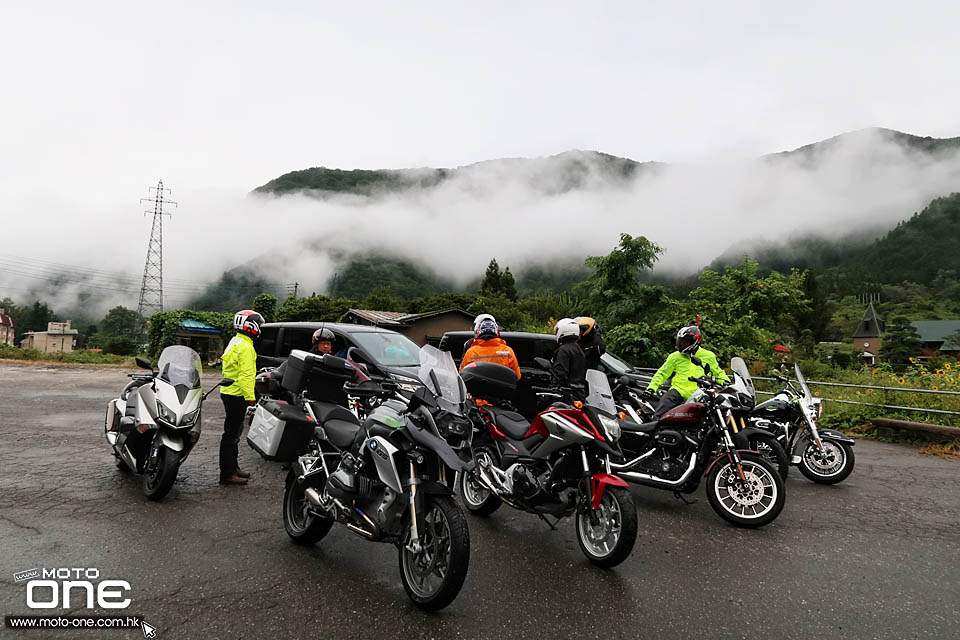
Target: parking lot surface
(874, 557)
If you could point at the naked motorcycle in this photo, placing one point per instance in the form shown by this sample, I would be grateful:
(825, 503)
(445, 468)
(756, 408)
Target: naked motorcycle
(556, 465)
(697, 440)
(155, 423)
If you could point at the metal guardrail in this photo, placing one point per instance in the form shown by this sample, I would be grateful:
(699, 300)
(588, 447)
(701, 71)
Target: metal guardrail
(874, 404)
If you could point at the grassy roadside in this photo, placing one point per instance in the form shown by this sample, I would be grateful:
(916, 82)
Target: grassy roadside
(25, 356)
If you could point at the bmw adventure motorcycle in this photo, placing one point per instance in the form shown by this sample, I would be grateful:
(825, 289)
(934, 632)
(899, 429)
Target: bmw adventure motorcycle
(155, 423)
(556, 465)
(824, 456)
(386, 479)
(698, 440)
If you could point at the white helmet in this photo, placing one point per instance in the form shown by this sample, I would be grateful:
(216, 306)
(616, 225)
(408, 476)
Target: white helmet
(565, 328)
(480, 318)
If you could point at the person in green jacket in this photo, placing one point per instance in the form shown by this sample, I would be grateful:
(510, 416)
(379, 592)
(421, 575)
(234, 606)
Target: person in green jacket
(240, 365)
(681, 367)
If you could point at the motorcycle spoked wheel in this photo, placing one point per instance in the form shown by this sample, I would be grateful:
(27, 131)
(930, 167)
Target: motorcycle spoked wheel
(302, 526)
(433, 577)
(160, 473)
(831, 466)
(475, 497)
(609, 540)
(753, 503)
(772, 451)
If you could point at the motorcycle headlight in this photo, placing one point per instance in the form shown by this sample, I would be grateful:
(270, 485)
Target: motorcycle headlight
(611, 426)
(816, 408)
(165, 414)
(190, 418)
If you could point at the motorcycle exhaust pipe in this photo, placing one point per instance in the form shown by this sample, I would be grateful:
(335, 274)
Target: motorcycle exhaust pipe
(636, 476)
(627, 465)
(313, 496)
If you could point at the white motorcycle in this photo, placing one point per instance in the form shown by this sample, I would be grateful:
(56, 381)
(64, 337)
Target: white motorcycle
(154, 424)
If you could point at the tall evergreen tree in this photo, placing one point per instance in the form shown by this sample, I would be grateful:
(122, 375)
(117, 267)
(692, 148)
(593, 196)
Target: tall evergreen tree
(508, 286)
(901, 342)
(491, 284)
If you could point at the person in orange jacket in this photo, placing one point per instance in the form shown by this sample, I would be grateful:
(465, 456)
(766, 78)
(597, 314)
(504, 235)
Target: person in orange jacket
(489, 346)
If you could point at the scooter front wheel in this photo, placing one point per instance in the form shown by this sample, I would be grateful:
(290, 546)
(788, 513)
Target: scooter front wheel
(160, 473)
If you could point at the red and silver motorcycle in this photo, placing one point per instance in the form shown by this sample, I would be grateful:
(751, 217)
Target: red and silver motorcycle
(557, 465)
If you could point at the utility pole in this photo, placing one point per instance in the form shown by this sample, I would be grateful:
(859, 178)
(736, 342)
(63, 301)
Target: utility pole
(151, 290)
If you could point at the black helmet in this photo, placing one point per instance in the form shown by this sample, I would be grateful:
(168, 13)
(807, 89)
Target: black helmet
(688, 340)
(248, 322)
(322, 334)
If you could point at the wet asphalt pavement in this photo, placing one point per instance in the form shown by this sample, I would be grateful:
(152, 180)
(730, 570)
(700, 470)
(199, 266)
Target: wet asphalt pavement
(875, 557)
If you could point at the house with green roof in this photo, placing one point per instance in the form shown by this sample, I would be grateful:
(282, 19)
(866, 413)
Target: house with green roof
(935, 335)
(201, 337)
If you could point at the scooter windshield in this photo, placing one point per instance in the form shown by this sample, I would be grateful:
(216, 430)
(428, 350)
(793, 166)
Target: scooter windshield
(599, 394)
(180, 365)
(807, 396)
(439, 374)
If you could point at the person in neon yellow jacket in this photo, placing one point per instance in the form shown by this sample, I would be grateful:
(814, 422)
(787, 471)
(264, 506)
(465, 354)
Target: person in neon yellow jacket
(681, 367)
(240, 365)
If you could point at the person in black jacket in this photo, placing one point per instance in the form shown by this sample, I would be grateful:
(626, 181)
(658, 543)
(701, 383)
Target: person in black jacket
(590, 341)
(569, 365)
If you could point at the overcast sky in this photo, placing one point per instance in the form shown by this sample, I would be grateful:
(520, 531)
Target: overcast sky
(100, 99)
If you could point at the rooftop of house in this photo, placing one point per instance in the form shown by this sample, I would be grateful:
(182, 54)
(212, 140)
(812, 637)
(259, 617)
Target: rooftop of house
(938, 331)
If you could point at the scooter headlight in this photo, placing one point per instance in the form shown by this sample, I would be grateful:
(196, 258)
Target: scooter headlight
(165, 414)
(611, 426)
(190, 418)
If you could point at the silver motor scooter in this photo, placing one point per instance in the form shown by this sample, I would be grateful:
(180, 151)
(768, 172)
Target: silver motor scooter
(154, 424)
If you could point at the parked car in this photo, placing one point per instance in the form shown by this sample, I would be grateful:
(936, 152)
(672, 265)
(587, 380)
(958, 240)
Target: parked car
(385, 353)
(527, 347)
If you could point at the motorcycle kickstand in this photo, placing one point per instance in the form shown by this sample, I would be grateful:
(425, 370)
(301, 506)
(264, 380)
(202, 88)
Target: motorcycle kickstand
(679, 496)
(544, 518)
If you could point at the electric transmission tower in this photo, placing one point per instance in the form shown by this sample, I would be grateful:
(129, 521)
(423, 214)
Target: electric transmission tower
(151, 291)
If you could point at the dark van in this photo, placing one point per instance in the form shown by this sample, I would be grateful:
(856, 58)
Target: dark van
(385, 353)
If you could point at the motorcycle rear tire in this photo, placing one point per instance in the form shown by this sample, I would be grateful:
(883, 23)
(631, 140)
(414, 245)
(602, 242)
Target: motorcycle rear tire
(457, 560)
(468, 497)
(312, 529)
(157, 483)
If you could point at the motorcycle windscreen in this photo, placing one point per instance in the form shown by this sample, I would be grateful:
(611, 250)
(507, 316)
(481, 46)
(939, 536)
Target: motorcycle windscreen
(180, 365)
(599, 394)
(739, 368)
(439, 374)
(807, 396)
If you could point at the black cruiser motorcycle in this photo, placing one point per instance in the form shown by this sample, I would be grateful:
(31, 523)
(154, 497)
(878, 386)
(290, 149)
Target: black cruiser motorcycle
(824, 456)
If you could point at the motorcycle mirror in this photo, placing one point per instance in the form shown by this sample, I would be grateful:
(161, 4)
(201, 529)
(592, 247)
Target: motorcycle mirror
(225, 382)
(706, 368)
(697, 361)
(143, 363)
(543, 363)
(624, 380)
(424, 397)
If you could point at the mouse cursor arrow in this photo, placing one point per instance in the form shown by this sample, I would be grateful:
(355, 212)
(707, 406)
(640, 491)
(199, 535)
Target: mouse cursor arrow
(149, 631)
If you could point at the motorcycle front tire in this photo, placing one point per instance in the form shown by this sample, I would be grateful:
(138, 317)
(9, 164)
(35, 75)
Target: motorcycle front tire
(732, 504)
(841, 474)
(158, 482)
(444, 513)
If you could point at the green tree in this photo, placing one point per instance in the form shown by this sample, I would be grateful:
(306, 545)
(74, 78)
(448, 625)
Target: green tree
(508, 286)
(382, 299)
(119, 321)
(266, 305)
(492, 279)
(901, 342)
(314, 309)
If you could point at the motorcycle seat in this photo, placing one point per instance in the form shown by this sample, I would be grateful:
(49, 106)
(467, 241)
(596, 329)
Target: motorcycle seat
(642, 427)
(510, 422)
(340, 425)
